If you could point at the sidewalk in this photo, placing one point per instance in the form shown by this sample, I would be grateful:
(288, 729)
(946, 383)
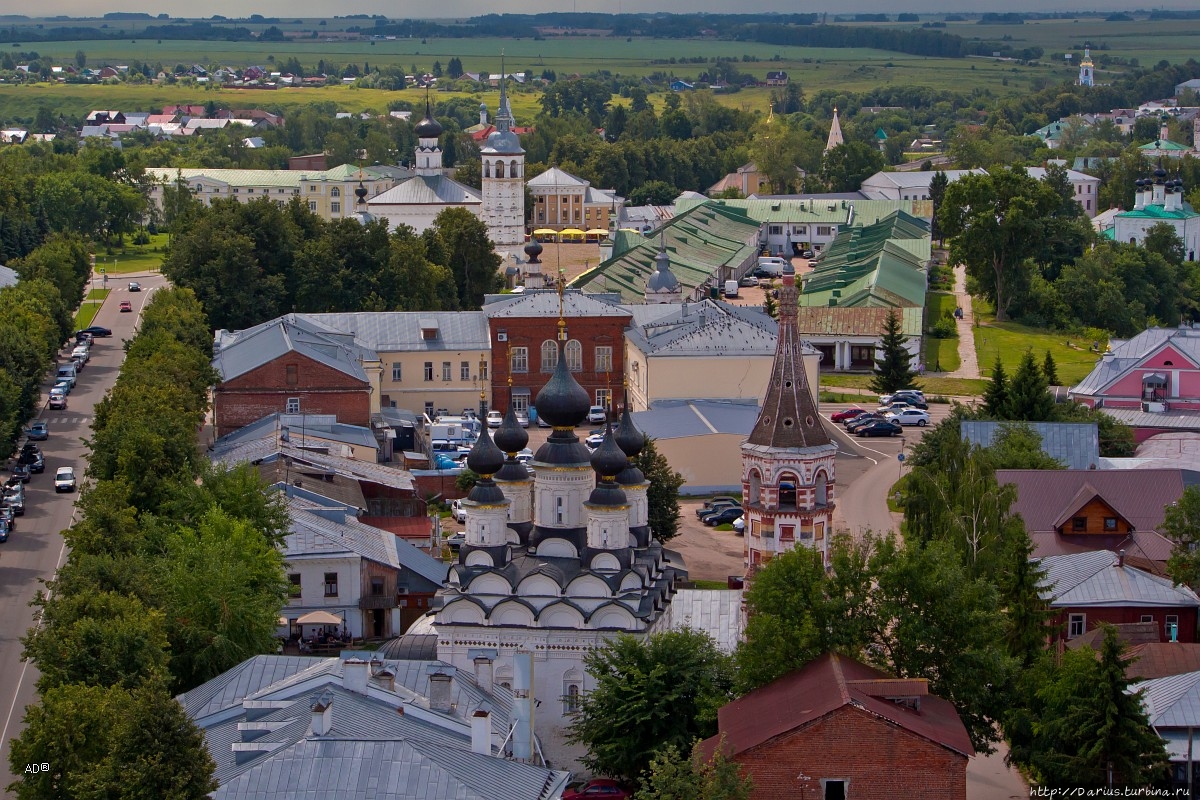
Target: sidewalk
(968, 361)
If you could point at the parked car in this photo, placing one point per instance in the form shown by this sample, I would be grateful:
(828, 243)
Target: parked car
(64, 479)
(879, 427)
(910, 416)
(717, 509)
(542, 423)
(722, 498)
(863, 419)
(65, 384)
(14, 497)
(901, 394)
(597, 414)
(83, 337)
(456, 540)
(894, 406)
(806, 254)
(748, 280)
(80, 362)
(32, 457)
(21, 472)
(849, 413)
(39, 431)
(5, 530)
(82, 350)
(722, 517)
(494, 418)
(598, 789)
(739, 526)
(98, 331)
(126, 306)
(6, 512)
(458, 512)
(594, 440)
(58, 399)
(134, 286)
(523, 419)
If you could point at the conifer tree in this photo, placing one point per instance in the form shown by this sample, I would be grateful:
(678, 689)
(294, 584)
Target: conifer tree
(1029, 397)
(995, 396)
(1050, 370)
(894, 371)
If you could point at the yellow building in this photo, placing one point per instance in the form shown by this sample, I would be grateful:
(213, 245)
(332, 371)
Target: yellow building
(561, 200)
(330, 194)
(709, 350)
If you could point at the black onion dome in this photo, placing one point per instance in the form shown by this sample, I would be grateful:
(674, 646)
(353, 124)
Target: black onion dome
(510, 436)
(1140, 183)
(628, 437)
(608, 460)
(1160, 173)
(562, 401)
(485, 457)
(428, 128)
(533, 249)
(361, 192)
(607, 493)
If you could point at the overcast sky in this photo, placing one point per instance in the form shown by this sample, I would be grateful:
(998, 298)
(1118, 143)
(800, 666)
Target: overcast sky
(464, 8)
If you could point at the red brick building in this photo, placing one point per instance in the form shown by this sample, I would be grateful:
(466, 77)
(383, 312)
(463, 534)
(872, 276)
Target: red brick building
(280, 366)
(524, 335)
(839, 729)
(1086, 589)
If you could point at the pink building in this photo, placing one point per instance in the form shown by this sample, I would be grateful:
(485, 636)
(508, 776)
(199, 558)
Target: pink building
(1151, 382)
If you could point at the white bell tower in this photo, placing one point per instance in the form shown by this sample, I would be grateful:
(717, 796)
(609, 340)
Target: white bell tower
(504, 178)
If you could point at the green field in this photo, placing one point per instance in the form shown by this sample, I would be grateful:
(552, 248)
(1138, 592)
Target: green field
(1010, 341)
(90, 306)
(941, 355)
(933, 387)
(134, 258)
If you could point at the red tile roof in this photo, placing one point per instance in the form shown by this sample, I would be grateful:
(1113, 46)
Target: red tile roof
(825, 685)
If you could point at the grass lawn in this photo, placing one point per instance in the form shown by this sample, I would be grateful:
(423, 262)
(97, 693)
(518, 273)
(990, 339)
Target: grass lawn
(1010, 340)
(965, 387)
(711, 584)
(134, 258)
(940, 304)
(89, 307)
(941, 355)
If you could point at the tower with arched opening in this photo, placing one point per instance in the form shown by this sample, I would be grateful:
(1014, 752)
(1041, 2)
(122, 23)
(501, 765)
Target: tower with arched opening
(504, 178)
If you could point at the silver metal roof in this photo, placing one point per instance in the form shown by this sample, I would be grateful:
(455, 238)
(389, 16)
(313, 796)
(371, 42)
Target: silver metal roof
(1173, 701)
(1128, 354)
(8, 277)
(1077, 580)
(717, 612)
(544, 303)
(400, 331)
(1076, 445)
(239, 352)
(427, 190)
(706, 328)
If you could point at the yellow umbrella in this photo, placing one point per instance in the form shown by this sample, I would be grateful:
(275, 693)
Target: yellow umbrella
(571, 232)
(597, 232)
(545, 232)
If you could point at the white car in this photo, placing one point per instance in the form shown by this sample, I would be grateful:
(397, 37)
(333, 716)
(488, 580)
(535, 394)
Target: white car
(909, 416)
(597, 414)
(457, 510)
(494, 418)
(594, 441)
(902, 395)
(64, 479)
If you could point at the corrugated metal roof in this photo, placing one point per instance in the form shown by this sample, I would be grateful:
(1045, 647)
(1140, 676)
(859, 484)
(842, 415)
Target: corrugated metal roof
(1076, 445)
(427, 190)
(1173, 701)
(281, 178)
(1169, 420)
(400, 331)
(1137, 495)
(302, 426)
(1128, 354)
(869, 266)
(856, 321)
(228, 688)
(555, 178)
(681, 419)
(8, 277)
(717, 612)
(542, 303)
(706, 328)
(271, 448)
(1093, 579)
(242, 351)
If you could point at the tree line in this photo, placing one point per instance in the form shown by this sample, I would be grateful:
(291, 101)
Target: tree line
(248, 263)
(174, 575)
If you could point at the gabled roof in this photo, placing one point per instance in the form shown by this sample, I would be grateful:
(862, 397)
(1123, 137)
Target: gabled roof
(427, 190)
(269, 449)
(1094, 579)
(1130, 353)
(239, 352)
(301, 426)
(856, 321)
(1159, 659)
(705, 329)
(1075, 445)
(828, 684)
(1173, 701)
(543, 303)
(280, 178)
(1139, 496)
(400, 331)
(555, 178)
(917, 180)
(882, 264)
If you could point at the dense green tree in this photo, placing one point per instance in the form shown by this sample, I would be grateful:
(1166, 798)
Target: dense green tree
(845, 167)
(1161, 238)
(649, 695)
(1181, 524)
(238, 491)
(674, 776)
(1050, 370)
(469, 255)
(937, 195)
(894, 370)
(1088, 730)
(663, 495)
(1029, 398)
(1018, 446)
(656, 193)
(995, 394)
(1027, 614)
(454, 68)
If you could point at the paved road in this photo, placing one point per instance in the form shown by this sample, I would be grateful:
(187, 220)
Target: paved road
(35, 549)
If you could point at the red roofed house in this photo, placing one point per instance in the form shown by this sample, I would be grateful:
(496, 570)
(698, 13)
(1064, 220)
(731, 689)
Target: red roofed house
(839, 729)
(1077, 510)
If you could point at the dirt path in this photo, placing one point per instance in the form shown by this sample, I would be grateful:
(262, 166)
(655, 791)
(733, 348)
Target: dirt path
(968, 360)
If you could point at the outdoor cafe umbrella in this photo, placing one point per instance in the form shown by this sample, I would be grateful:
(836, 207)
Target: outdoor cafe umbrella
(545, 232)
(571, 232)
(319, 618)
(599, 232)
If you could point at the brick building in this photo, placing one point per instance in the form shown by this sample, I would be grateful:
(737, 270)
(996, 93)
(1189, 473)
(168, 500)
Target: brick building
(280, 367)
(838, 729)
(524, 335)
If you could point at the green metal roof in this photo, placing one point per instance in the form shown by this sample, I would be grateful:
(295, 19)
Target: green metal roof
(231, 177)
(1158, 212)
(1162, 144)
(815, 211)
(699, 241)
(877, 265)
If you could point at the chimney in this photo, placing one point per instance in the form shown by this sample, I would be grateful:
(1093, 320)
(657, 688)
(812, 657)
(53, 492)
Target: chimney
(1120, 558)
(387, 679)
(523, 705)
(322, 715)
(484, 670)
(481, 731)
(439, 692)
(355, 672)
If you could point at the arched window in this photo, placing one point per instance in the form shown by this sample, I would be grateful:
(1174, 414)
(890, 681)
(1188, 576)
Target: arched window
(512, 169)
(487, 168)
(335, 192)
(574, 356)
(549, 355)
(755, 490)
(1133, 240)
(571, 699)
(822, 490)
(499, 169)
(787, 491)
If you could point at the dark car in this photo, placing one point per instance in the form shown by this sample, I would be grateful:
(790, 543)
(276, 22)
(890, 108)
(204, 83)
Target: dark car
(39, 431)
(849, 413)
(22, 472)
(7, 514)
(99, 331)
(721, 517)
(134, 286)
(83, 337)
(722, 498)
(863, 419)
(879, 427)
(5, 530)
(598, 789)
(704, 511)
(33, 459)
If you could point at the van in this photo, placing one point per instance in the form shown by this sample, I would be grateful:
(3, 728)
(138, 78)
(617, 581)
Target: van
(731, 288)
(771, 265)
(67, 372)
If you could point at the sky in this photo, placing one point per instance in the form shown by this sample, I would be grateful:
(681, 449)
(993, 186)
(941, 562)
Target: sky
(465, 8)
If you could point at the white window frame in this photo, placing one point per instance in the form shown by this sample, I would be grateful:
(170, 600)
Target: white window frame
(520, 360)
(397, 372)
(428, 370)
(1076, 625)
(604, 358)
(574, 353)
(447, 371)
(292, 406)
(464, 370)
(549, 355)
